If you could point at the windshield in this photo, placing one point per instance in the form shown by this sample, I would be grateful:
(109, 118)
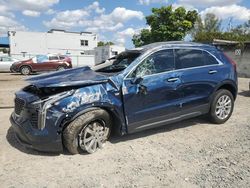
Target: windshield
(121, 62)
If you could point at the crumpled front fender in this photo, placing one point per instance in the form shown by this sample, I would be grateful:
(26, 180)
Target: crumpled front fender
(103, 96)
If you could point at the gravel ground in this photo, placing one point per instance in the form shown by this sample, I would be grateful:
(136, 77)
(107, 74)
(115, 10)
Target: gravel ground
(192, 153)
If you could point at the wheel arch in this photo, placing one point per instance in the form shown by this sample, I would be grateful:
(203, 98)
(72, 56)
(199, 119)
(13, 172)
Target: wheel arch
(230, 86)
(117, 122)
(25, 66)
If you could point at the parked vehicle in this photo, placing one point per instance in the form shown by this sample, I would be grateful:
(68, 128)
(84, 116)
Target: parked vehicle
(6, 62)
(42, 63)
(166, 83)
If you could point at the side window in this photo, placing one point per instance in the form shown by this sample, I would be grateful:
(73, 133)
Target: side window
(61, 57)
(51, 58)
(158, 62)
(41, 59)
(209, 59)
(187, 58)
(6, 59)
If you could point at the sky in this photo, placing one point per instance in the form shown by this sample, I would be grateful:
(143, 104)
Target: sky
(112, 20)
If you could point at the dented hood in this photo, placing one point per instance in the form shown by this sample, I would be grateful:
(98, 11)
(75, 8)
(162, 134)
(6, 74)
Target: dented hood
(72, 77)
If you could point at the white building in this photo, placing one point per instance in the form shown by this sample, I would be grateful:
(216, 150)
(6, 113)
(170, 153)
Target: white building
(103, 53)
(78, 45)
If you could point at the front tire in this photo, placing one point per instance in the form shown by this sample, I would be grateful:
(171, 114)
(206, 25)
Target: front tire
(221, 107)
(25, 70)
(87, 132)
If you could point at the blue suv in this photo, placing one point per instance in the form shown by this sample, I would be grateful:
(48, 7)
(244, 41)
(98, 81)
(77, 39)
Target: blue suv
(145, 87)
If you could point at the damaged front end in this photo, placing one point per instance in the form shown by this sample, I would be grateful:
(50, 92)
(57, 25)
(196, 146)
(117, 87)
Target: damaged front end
(46, 105)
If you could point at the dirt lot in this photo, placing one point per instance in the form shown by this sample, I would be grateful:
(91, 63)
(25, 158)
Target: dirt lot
(193, 153)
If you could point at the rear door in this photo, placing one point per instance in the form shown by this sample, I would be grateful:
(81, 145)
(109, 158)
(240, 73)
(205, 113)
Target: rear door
(156, 98)
(54, 62)
(40, 63)
(200, 75)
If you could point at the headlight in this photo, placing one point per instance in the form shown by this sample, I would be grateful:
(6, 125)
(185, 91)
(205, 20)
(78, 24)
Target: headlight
(46, 104)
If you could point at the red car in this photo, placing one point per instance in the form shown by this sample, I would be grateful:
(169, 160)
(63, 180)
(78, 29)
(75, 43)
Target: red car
(42, 63)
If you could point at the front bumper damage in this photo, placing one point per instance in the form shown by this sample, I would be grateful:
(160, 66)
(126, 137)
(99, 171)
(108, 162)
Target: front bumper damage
(41, 140)
(37, 126)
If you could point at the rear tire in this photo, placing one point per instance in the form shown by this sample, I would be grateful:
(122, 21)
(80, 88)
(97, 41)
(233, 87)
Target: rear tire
(87, 132)
(25, 70)
(60, 68)
(221, 107)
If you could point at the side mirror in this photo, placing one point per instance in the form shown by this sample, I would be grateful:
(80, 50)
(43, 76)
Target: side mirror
(137, 80)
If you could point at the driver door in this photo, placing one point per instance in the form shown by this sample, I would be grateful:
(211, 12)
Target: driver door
(151, 92)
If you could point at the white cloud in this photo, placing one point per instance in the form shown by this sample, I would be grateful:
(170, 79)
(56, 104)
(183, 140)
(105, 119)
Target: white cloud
(7, 24)
(127, 32)
(28, 7)
(31, 13)
(7, 20)
(186, 6)
(122, 14)
(231, 11)
(126, 35)
(36, 5)
(50, 12)
(96, 7)
(93, 18)
(4, 10)
(207, 3)
(147, 2)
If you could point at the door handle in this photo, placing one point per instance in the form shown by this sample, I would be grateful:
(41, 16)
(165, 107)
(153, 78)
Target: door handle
(172, 79)
(212, 71)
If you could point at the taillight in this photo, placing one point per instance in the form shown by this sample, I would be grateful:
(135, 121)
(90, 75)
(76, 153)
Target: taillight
(231, 61)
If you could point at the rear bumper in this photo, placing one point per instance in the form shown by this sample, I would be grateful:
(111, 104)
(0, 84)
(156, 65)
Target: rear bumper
(36, 139)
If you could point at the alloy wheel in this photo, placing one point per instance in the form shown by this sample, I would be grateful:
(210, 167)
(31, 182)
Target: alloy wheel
(25, 70)
(93, 136)
(223, 107)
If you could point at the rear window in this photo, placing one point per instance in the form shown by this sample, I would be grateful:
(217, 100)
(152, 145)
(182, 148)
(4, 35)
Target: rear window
(209, 59)
(53, 58)
(188, 58)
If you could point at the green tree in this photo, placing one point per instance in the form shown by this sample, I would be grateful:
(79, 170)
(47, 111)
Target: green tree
(166, 24)
(208, 29)
(211, 23)
(243, 29)
(109, 43)
(101, 43)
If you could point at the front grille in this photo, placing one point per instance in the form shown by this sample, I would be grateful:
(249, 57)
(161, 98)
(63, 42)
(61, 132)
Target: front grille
(19, 104)
(34, 119)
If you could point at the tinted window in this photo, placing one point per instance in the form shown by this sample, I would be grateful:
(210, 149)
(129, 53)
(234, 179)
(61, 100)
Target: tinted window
(209, 59)
(53, 58)
(5, 59)
(61, 57)
(187, 58)
(41, 58)
(158, 62)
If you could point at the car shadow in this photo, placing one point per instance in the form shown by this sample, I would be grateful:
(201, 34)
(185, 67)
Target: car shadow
(161, 129)
(245, 93)
(11, 138)
(19, 74)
